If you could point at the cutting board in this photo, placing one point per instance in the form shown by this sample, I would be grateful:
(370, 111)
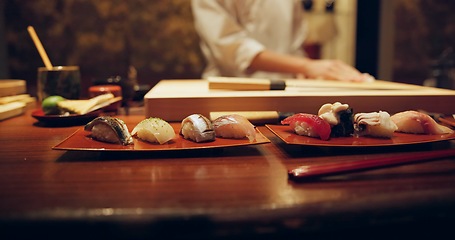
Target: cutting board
(173, 100)
(9, 87)
(12, 109)
(13, 98)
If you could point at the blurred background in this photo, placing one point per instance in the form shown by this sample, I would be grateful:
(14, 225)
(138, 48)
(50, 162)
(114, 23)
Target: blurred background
(407, 41)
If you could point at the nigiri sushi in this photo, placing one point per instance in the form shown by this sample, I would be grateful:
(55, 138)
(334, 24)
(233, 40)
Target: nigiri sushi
(234, 126)
(340, 118)
(154, 130)
(418, 123)
(109, 129)
(309, 125)
(374, 124)
(197, 128)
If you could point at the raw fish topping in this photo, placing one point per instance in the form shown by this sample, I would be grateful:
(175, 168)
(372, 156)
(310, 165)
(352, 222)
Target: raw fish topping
(198, 128)
(109, 129)
(234, 126)
(154, 130)
(309, 125)
(418, 123)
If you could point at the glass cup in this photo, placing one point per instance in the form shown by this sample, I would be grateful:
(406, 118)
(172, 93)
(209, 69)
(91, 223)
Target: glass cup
(64, 81)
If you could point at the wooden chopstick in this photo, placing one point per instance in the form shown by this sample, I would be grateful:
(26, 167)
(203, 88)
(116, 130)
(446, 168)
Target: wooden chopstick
(40, 47)
(448, 122)
(304, 173)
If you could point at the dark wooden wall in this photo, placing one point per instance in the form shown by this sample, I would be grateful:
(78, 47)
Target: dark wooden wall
(157, 38)
(104, 38)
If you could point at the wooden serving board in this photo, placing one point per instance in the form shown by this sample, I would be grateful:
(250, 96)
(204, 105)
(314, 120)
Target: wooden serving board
(12, 109)
(9, 87)
(173, 100)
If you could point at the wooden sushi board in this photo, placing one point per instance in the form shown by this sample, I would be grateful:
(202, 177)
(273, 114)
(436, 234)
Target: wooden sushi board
(173, 100)
(13, 99)
(9, 87)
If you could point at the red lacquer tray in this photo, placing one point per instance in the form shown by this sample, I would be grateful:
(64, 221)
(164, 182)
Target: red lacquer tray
(285, 133)
(81, 140)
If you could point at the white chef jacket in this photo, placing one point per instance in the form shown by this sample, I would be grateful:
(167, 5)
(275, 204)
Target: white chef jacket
(233, 32)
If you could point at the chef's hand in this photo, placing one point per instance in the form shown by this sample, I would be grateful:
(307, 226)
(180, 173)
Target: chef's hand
(333, 70)
(306, 67)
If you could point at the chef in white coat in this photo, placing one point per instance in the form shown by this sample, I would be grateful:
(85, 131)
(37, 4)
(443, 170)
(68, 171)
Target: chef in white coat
(261, 39)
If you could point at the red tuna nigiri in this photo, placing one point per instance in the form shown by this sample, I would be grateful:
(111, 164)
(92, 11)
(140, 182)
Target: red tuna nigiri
(309, 125)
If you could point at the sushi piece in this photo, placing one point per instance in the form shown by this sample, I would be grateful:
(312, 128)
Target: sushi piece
(374, 124)
(197, 128)
(234, 126)
(109, 129)
(340, 118)
(418, 123)
(154, 130)
(309, 125)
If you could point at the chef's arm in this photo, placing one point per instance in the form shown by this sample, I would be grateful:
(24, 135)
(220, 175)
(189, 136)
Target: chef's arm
(306, 67)
(229, 43)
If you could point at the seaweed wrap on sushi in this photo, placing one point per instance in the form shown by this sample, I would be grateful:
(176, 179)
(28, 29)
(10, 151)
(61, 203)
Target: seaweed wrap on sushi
(340, 118)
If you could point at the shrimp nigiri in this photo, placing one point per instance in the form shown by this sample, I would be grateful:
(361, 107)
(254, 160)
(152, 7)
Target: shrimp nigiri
(309, 125)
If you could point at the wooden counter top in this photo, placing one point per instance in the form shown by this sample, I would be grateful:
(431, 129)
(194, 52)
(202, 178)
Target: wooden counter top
(172, 100)
(235, 193)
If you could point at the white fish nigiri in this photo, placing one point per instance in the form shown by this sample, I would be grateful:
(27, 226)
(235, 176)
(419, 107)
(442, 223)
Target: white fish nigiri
(374, 124)
(234, 126)
(197, 128)
(154, 130)
(418, 123)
